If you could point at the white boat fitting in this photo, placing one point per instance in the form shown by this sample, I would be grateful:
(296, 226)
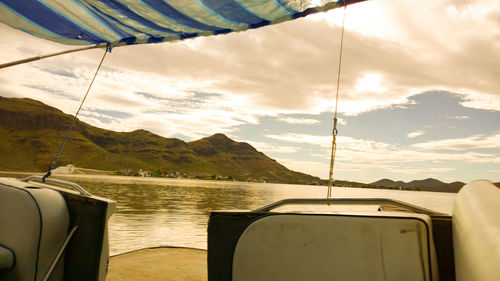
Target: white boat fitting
(476, 232)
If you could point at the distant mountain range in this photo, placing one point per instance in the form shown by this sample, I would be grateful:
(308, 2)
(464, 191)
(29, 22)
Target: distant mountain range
(423, 185)
(416, 185)
(31, 133)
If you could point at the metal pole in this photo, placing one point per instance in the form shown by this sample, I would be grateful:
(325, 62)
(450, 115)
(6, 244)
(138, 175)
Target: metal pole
(4, 65)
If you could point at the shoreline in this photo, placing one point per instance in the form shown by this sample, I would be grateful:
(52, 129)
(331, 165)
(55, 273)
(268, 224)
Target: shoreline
(133, 179)
(92, 175)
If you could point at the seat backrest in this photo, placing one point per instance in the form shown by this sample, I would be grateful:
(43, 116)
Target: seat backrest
(34, 223)
(368, 246)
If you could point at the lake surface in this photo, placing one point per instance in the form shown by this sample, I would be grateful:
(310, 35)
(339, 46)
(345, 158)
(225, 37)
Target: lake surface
(174, 212)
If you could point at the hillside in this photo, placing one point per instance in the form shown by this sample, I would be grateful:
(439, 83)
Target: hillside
(31, 133)
(423, 185)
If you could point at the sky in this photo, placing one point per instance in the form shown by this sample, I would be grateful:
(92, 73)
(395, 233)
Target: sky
(419, 93)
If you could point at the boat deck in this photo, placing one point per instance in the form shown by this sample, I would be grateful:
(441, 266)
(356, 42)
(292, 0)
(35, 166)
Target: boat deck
(155, 264)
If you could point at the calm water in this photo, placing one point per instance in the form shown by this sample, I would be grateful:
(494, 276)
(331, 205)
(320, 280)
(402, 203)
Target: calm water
(172, 212)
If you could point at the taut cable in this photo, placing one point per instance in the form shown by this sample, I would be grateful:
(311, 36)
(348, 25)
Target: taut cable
(53, 164)
(335, 131)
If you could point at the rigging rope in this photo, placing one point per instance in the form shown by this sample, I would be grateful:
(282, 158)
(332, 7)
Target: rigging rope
(53, 164)
(335, 131)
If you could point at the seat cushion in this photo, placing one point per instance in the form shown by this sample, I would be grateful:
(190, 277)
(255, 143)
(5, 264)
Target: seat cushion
(371, 246)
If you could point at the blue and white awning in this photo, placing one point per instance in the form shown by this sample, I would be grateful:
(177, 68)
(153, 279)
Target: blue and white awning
(123, 22)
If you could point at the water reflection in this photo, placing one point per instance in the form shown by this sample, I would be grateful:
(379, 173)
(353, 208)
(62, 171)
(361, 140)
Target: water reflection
(153, 213)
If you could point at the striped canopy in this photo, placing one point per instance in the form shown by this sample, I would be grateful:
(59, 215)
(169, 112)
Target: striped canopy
(123, 22)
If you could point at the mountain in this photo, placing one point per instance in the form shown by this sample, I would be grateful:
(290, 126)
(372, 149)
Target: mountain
(424, 185)
(388, 183)
(427, 183)
(32, 132)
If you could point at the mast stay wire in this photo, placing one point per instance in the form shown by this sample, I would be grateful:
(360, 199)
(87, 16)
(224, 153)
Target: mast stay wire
(53, 164)
(335, 131)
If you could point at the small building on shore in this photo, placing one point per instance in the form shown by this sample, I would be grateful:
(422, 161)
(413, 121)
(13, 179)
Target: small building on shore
(68, 169)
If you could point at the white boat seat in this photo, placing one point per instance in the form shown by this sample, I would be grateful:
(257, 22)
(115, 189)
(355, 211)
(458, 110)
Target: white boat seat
(369, 246)
(33, 226)
(476, 232)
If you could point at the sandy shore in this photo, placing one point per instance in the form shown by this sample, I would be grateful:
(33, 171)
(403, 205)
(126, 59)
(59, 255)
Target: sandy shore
(155, 264)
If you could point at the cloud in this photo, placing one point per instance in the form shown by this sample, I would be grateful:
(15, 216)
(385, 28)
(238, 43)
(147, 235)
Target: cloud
(463, 117)
(323, 141)
(393, 49)
(369, 151)
(469, 143)
(441, 169)
(415, 134)
(273, 148)
(303, 121)
(342, 121)
(493, 171)
(364, 172)
(370, 83)
(160, 104)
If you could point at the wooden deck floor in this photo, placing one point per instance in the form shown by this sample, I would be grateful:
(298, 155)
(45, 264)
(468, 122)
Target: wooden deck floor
(155, 264)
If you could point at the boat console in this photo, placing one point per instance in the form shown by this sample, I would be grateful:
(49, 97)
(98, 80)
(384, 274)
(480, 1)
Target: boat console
(50, 232)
